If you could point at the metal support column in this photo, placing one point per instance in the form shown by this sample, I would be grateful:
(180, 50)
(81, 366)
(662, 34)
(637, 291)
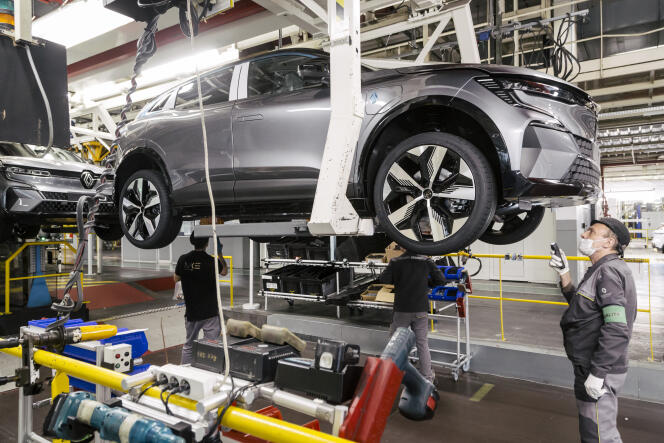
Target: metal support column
(251, 304)
(100, 267)
(90, 256)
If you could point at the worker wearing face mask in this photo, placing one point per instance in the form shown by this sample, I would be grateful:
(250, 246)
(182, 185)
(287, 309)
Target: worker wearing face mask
(597, 326)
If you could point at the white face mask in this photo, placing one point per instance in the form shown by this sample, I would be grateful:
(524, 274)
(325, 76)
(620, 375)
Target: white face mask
(586, 247)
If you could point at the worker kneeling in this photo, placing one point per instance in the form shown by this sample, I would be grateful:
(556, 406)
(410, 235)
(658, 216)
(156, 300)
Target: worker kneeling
(411, 275)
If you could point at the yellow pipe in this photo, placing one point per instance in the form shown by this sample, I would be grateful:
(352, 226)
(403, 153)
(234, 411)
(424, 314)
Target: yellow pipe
(97, 332)
(13, 256)
(235, 418)
(431, 310)
(500, 276)
(522, 300)
(29, 277)
(652, 355)
(272, 429)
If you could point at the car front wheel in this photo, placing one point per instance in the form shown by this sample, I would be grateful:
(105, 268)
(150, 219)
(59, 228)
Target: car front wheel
(147, 216)
(434, 193)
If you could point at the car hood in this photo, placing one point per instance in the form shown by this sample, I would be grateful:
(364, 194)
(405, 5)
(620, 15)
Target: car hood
(501, 70)
(52, 165)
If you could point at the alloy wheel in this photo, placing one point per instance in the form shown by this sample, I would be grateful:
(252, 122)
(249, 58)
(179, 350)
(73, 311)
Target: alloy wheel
(141, 209)
(428, 193)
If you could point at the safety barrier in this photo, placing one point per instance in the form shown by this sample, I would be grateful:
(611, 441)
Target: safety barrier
(502, 299)
(242, 420)
(11, 258)
(230, 274)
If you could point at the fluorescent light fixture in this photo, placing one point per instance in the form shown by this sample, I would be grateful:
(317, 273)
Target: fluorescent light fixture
(166, 72)
(78, 22)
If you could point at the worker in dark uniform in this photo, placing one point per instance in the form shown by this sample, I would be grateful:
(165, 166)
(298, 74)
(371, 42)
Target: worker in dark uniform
(597, 327)
(196, 272)
(411, 274)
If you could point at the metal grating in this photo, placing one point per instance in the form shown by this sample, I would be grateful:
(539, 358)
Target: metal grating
(584, 172)
(65, 207)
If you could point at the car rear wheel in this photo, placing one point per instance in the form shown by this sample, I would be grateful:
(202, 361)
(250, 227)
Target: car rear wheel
(434, 193)
(509, 228)
(147, 216)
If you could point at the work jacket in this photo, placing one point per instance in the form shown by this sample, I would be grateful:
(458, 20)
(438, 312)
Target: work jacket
(597, 325)
(411, 276)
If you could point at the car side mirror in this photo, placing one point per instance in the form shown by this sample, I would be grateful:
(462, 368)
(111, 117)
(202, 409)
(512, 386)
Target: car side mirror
(313, 74)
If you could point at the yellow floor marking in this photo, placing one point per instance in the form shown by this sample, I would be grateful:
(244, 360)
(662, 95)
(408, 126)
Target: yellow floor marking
(481, 392)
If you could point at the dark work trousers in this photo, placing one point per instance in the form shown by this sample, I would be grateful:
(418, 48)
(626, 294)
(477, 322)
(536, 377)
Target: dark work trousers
(597, 419)
(417, 321)
(211, 329)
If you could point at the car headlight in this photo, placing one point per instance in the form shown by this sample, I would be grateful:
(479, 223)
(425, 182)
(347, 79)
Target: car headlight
(504, 88)
(27, 171)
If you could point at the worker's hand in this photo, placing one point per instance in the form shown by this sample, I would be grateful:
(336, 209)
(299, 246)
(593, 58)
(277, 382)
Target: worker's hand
(594, 386)
(559, 263)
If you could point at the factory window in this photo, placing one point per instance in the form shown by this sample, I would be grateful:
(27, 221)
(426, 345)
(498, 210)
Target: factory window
(285, 73)
(215, 89)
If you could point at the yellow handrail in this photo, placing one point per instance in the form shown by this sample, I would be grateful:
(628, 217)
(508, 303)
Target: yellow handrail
(501, 299)
(236, 418)
(230, 272)
(15, 254)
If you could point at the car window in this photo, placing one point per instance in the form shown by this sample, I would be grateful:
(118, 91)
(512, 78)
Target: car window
(14, 150)
(160, 103)
(215, 88)
(284, 73)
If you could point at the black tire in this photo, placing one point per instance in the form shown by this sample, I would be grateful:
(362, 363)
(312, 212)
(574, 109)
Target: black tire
(109, 232)
(442, 175)
(145, 211)
(514, 227)
(25, 232)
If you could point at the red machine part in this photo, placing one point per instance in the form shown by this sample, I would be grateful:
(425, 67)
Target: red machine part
(270, 411)
(372, 404)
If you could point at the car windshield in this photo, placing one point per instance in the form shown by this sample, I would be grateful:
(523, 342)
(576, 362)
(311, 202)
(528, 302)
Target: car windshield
(14, 150)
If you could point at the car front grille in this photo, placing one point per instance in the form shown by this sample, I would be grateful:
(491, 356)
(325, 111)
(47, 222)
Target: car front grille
(64, 207)
(584, 172)
(585, 146)
(55, 195)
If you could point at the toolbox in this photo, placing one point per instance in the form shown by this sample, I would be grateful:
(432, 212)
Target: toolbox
(300, 374)
(322, 280)
(250, 358)
(272, 281)
(209, 353)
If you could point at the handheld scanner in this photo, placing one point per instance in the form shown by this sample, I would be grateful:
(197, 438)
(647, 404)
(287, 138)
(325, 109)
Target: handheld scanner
(555, 250)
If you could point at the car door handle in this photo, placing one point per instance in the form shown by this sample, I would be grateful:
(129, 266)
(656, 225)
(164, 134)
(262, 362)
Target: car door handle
(249, 117)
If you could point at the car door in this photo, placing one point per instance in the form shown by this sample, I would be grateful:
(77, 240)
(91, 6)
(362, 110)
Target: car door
(280, 124)
(178, 132)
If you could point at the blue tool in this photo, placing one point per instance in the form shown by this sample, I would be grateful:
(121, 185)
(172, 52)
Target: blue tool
(77, 415)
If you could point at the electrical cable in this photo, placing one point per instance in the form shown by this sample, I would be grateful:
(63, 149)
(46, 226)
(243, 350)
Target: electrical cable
(167, 388)
(146, 48)
(168, 397)
(211, 197)
(47, 104)
(231, 399)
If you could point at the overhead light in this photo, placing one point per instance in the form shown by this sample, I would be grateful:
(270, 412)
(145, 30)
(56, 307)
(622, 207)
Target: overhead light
(166, 72)
(77, 22)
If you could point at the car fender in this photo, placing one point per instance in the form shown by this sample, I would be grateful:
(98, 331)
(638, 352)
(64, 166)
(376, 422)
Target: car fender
(144, 148)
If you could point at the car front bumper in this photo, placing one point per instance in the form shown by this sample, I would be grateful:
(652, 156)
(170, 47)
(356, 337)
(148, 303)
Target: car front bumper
(32, 206)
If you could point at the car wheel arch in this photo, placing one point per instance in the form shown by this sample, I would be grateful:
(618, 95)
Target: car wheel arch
(493, 144)
(135, 159)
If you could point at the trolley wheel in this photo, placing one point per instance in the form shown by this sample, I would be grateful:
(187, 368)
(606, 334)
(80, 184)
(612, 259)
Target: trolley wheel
(466, 366)
(455, 375)
(291, 302)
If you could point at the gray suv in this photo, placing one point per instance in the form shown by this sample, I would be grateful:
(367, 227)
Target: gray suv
(447, 153)
(38, 192)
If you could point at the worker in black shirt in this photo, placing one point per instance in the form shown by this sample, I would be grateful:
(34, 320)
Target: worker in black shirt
(196, 272)
(410, 274)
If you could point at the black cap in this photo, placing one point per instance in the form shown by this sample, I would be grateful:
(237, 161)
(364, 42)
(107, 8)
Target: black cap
(618, 228)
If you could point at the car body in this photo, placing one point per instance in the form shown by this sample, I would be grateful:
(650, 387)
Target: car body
(42, 191)
(658, 238)
(267, 120)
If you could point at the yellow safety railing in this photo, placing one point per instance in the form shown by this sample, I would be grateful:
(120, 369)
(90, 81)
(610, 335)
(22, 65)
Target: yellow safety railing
(501, 299)
(633, 234)
(249, 422)
(230, 274)
(11, 258)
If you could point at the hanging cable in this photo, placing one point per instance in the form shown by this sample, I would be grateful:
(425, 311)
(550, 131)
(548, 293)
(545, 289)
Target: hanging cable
(47, 104)
(146, 47)
(210, 195)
